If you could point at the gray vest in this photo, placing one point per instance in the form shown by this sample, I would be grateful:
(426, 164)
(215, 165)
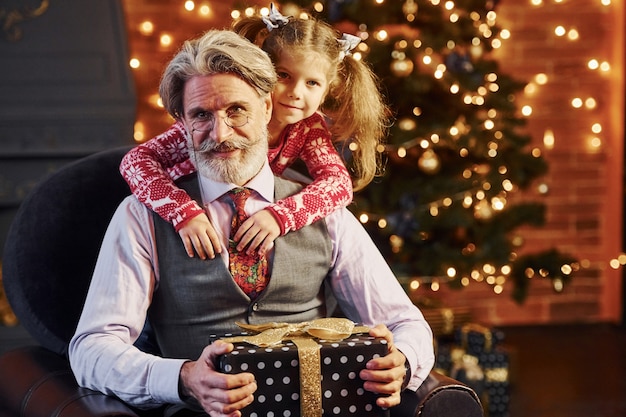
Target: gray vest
(196, 298)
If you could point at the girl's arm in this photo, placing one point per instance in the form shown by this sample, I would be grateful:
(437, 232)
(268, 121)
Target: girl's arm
(150, 170)
(331, 188)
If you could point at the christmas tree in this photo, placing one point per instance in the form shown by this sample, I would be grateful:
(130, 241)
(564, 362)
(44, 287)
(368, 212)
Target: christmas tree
(444, 207)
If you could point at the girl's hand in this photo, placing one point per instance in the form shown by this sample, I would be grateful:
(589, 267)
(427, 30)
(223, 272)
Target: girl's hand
(257, 233)
(200, 235)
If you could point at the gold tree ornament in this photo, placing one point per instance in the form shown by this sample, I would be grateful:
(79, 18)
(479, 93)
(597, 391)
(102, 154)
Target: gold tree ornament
(429, 162)
(409, 7)
(402, 67)
(483, 210)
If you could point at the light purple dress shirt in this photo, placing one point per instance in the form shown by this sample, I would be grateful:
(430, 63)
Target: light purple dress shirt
(102, 354)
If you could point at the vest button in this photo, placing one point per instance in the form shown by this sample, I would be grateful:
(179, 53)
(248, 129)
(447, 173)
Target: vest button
(255, 307)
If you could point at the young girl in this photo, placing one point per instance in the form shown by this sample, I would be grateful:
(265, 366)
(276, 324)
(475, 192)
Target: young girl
(316, 71)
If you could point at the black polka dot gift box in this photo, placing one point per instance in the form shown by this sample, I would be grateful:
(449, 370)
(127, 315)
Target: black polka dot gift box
(306, 369)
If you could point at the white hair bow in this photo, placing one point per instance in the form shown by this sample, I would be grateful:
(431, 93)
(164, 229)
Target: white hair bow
(275, 19)
(347, 43)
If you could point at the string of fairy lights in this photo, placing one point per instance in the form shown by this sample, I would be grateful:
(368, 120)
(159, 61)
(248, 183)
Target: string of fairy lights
(476, 197)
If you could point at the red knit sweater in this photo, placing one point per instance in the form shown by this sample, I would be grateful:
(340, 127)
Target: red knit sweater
(151, 168)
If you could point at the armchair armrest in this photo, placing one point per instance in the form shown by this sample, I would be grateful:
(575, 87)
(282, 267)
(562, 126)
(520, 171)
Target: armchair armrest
(439, 396)
(39, 383)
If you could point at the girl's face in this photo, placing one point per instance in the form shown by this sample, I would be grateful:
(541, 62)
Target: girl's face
(301, 88)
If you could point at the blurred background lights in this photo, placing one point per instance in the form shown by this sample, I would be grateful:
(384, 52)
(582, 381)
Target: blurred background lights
(165, 39)
(548, 139)
(146, 28)
(559, 31)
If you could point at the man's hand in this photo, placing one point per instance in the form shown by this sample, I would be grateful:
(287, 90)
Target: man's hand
(200, 235)
(258, 233)
(218, 394)
(385, 375)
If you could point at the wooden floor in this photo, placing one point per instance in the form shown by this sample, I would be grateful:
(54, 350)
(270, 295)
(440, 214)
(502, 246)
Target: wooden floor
(568, 371)
(556, 371)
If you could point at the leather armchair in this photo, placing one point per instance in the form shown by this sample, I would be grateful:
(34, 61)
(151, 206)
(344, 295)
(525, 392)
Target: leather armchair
(49, 256)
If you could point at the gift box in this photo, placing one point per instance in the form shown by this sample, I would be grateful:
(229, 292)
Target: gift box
(476, 339)
(307, 376)
(495, 365)
(476, 358)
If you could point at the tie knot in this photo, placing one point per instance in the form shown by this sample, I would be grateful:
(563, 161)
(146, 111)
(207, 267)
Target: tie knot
(239, 197)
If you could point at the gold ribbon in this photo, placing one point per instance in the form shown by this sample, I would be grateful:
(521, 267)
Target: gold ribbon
(497, 374)
(302, 334)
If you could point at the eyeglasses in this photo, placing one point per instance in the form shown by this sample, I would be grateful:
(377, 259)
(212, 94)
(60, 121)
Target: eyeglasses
(233, 119)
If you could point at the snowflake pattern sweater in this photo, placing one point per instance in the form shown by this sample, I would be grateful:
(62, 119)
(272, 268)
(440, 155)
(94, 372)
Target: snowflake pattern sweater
(151, 168)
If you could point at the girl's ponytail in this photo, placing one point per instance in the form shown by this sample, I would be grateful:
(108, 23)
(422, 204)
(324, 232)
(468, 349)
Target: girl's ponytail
(360, 117)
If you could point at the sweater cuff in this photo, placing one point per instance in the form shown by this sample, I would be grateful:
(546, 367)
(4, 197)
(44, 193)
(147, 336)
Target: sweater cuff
(187, 213)
(279, 219)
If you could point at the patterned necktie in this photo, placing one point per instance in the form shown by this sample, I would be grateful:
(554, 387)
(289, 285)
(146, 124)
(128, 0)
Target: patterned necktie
(249, 271)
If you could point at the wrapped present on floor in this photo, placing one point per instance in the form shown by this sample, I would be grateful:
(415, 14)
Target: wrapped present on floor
(476, 358)
(306, 369)
(476, 339)
(495, 364)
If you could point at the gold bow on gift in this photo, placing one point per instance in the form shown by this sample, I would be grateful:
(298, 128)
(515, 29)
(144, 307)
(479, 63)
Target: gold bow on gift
(302, 334)
(273, 333)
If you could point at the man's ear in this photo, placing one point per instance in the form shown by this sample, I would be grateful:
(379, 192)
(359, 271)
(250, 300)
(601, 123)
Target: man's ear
(267, 102)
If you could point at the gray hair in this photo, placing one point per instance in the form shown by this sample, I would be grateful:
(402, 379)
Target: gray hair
(215, 52)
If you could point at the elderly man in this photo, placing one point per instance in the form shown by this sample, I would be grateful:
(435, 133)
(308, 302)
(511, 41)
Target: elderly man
(219, 86)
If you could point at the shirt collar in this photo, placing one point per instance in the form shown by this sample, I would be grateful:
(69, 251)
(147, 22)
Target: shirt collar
(262, 183)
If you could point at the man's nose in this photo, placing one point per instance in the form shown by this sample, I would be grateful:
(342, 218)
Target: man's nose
(221, 130)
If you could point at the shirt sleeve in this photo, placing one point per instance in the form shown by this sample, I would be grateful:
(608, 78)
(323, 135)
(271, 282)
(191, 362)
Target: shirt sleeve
(369, 293)
(101, 352)
(150, 170)
(331, 188)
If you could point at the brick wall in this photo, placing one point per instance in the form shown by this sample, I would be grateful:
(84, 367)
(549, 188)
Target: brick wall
(584, 197)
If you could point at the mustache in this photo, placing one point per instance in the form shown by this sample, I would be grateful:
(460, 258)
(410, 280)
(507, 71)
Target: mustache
(209, 146)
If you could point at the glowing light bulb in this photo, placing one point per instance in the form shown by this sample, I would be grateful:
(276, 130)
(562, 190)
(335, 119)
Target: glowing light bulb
(165, 40)
(205, 10)
(381, 35)
(139, 131)
(146, 28)
(541, 78)
(548, 139)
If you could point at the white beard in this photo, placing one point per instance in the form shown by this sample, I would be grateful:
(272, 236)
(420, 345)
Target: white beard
(233, 170)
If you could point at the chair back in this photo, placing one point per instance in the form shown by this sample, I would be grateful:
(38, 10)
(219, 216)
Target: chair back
(53, 243)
